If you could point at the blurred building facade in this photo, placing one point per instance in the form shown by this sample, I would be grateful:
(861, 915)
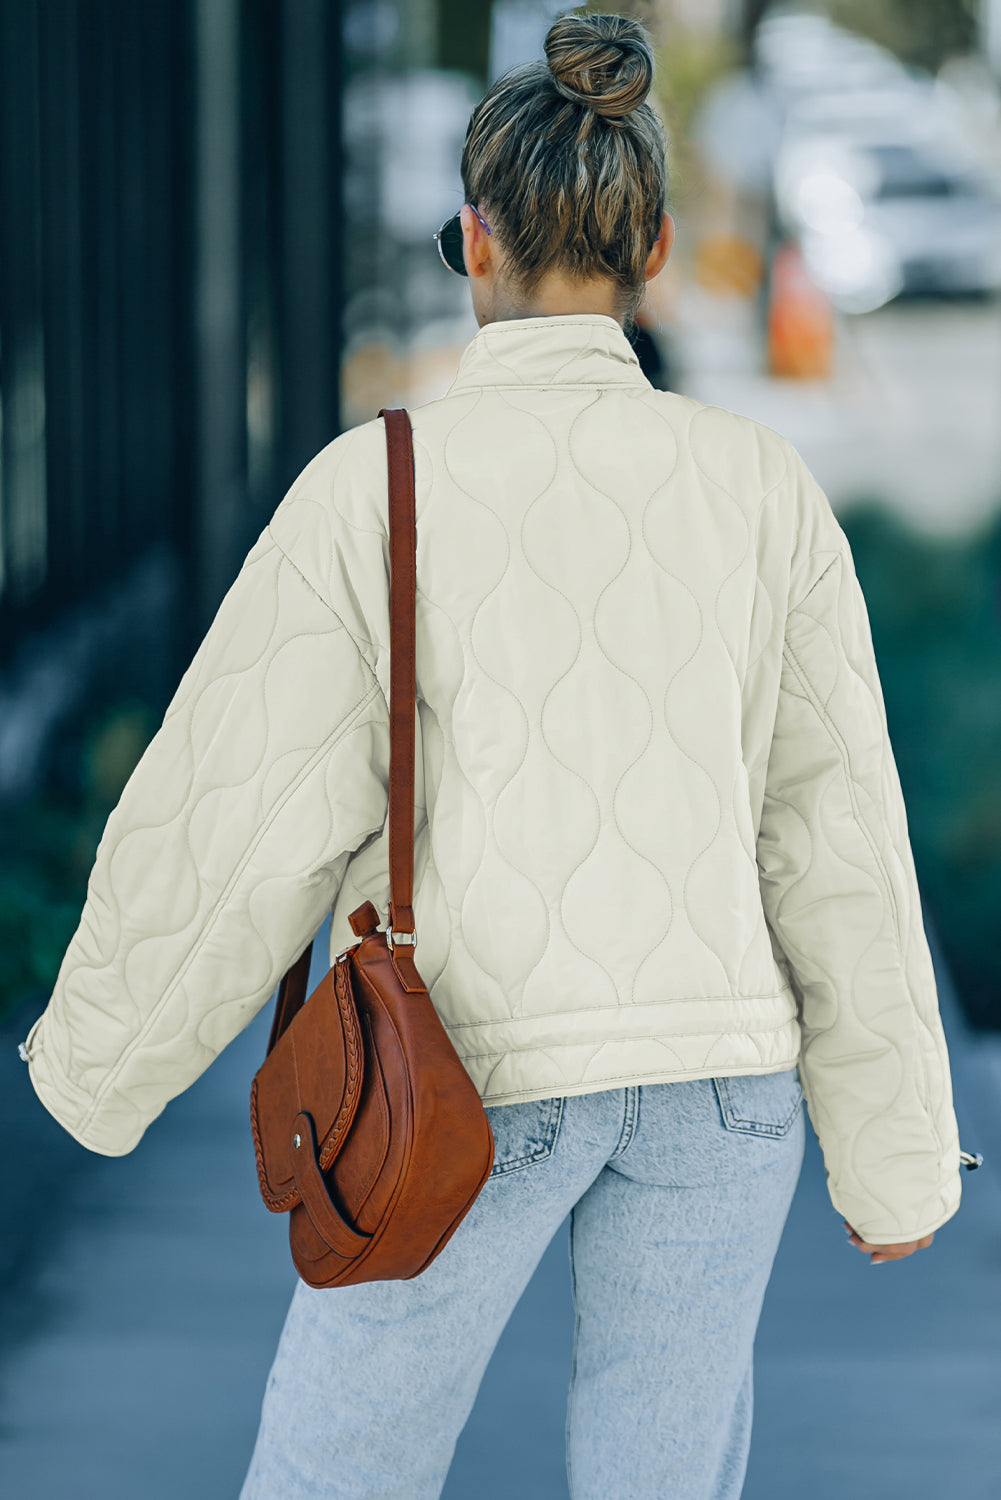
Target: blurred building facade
(210, 210)
(170, 299)
(215, 252)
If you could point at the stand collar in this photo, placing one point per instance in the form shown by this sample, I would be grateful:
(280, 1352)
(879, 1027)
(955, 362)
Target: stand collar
(566, 349)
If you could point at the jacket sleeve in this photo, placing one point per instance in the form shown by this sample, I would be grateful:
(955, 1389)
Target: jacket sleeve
(841, 897)
(225, 851)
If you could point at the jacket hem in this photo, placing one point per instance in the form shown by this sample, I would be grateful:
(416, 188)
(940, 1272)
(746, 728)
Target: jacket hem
(564, 1088)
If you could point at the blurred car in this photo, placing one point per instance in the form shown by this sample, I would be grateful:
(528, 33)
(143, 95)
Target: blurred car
(916, 108)
(889, 214)
(872, 173)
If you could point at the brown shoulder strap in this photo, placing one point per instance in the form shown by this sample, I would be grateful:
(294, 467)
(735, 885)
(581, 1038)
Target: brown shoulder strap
(402, 708)
(402, 669)
(291, 994)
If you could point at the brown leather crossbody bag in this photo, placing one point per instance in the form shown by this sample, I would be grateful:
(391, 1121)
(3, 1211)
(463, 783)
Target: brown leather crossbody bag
(369, 1131)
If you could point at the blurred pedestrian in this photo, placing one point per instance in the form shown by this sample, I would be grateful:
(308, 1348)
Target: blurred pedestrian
(663, 884)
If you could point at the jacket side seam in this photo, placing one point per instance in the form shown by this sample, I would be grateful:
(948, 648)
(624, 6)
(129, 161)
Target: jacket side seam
(917, 1018)
(800, 673)
(344, 727)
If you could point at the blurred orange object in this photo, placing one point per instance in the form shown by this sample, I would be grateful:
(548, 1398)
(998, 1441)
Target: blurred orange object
(728, 264)
(371, 375)
(800, 318)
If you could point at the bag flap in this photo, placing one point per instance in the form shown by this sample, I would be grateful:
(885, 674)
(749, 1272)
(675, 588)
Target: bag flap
(315, 1066)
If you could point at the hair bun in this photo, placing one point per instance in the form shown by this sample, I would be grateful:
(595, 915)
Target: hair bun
(605, 62)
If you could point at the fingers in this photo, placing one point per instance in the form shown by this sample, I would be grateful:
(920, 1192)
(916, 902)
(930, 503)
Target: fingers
(881, 1253)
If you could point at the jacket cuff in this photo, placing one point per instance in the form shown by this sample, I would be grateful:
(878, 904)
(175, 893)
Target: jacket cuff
(70, 1105)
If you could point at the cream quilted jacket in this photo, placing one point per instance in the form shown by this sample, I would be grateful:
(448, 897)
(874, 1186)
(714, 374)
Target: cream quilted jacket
(659, 830)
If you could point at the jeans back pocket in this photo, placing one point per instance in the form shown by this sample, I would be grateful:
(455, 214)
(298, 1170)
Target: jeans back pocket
(760, 1103)
(524, 1133)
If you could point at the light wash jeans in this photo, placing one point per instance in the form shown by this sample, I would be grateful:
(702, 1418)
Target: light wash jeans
(678, 1194)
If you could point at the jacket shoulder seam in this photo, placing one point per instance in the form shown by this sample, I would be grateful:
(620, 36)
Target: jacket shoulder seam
(818, 580)
(357, 640)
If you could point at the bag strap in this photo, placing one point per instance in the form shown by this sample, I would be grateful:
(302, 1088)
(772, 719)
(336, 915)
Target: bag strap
(402, 687)
(402, 707)
(291, 995)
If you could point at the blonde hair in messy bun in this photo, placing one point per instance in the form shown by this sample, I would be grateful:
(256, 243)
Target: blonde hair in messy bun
(568, 161)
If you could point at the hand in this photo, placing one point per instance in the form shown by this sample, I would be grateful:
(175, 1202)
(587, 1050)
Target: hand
(888, 1252)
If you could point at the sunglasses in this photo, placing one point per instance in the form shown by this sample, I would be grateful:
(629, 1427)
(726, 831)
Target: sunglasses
(449, 240)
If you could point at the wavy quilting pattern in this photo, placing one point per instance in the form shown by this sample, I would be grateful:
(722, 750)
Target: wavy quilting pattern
(659, 830)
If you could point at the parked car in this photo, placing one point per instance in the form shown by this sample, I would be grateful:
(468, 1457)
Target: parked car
(872, 173)
(889, 213)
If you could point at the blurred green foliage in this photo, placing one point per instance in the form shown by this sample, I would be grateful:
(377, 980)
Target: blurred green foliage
(935, 611)
(463, 37)
(48, 843)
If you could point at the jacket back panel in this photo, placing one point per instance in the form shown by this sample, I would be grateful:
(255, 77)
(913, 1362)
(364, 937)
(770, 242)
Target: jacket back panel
(600, 609)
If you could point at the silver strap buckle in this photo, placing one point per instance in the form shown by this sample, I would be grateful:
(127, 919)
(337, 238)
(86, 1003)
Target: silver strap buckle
(400, 938)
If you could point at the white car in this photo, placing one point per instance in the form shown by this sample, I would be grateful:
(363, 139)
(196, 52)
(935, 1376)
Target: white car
(886, 213)
(872, 172)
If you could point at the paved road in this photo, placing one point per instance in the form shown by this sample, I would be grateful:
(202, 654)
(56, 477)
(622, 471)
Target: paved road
(139, 1333)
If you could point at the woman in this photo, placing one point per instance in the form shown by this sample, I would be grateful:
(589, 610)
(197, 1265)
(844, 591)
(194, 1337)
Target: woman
(663, 884)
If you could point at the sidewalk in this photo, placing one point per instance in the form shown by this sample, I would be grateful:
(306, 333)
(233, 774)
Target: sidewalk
(145, 1329)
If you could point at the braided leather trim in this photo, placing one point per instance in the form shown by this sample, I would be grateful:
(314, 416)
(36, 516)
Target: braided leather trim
(352, 1092)
(287, 1200)
(352, 1042)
